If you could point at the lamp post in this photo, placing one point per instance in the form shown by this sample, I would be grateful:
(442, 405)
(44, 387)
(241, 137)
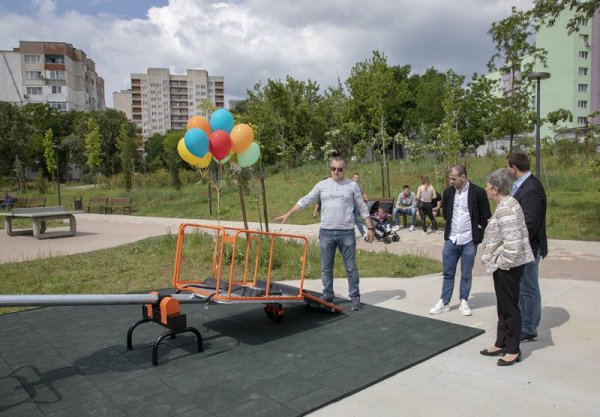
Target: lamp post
(57, 173)
(537, 76)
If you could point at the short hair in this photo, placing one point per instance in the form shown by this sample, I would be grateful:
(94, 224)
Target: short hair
(502, 180)
(460, 169)
(405, 186)
(425, 178)
(519, 160)
(338, 159)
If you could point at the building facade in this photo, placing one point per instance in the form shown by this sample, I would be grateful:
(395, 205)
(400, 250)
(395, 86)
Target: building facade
(574, 67)
(159, 101)
(50, 72)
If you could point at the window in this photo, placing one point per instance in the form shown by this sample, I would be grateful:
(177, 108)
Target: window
(56, 74)
(583, 54)
(583, 70)
(582, 104)
(56, 89)
(33, 75)
(34, 91)
(584, 21)
(32, 59)
(62, 106)
(582, 88)
(584, 38)
(582, 121)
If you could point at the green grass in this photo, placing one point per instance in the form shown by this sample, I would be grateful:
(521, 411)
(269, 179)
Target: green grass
(573, 195)
(148, 265)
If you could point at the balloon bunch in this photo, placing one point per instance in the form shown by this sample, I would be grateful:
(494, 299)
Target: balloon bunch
(218, 139)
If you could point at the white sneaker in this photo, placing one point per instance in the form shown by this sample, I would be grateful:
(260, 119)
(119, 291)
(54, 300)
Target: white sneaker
(411, 228)
(365, 237)
(464, 308)
(440, 307)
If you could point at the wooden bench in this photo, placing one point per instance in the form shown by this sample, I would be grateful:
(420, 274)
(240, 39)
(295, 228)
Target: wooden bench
(37, 202)
(97, 204)
(20, 202)
(116, 203)
(39, 216)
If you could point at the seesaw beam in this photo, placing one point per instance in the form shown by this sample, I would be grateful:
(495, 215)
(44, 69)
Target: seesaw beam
(88, 299)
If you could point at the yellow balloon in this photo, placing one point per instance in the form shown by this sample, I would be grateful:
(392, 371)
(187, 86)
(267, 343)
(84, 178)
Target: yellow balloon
(242, 136)
(205, 160)
(187, 155)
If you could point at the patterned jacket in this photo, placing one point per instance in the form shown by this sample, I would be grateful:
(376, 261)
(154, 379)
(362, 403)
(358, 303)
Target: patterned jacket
(506, 241)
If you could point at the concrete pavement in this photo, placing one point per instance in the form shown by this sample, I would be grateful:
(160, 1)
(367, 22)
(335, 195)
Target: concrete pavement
(560, 372)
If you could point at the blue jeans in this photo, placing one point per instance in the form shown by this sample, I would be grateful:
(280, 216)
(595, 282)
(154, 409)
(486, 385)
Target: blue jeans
(345, 241)
(358, 221)
(530, 299)
(411, 210)
(450, 255)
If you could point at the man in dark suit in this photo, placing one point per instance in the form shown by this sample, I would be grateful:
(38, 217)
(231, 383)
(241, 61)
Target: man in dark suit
(530, 194)
(466, 210)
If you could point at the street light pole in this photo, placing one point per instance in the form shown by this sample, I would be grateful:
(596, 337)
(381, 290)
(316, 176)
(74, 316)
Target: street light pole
(537, 76)
(57, 173)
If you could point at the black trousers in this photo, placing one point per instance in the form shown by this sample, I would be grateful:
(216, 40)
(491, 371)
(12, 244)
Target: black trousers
(506, 285)
(426, 209)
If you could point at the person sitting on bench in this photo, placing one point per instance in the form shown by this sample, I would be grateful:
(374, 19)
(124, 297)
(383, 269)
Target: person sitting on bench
(406, 203)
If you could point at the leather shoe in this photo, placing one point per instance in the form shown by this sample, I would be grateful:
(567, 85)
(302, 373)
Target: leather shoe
(502, 362)
(528, 337)
(486, 352)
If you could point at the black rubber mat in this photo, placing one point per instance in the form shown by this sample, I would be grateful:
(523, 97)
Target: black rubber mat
(73, 361)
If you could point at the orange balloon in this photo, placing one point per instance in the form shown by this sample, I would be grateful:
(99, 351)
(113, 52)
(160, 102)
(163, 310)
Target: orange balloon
(200, 122)
(242, 136)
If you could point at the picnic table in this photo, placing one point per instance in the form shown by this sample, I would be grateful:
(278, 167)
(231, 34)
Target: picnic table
(39, 216)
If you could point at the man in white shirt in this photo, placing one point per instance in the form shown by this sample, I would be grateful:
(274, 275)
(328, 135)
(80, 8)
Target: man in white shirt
(466, 210)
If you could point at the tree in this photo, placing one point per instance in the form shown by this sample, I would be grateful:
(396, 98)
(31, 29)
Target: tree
(449, 139)
(14, 134)
(109, 125)
(49, 153)
(424, 110)
(127, 146)
(479, 108)
(92, 147)
(154, 152)
(547, 11)
(172, 159)
(511, 37)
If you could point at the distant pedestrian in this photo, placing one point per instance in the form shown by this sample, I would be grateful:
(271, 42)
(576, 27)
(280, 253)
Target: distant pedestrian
(425, 195)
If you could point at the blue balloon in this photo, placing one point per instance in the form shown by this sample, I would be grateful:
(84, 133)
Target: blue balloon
(196, 142)
(221, 120)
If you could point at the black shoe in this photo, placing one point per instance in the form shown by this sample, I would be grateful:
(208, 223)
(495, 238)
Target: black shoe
(499, 352)
(502, 362)
(528, 337)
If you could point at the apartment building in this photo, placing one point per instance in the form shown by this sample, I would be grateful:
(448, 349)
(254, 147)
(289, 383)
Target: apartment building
(50, 72)
(159, 101)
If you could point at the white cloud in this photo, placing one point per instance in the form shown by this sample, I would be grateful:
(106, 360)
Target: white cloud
(252, 40)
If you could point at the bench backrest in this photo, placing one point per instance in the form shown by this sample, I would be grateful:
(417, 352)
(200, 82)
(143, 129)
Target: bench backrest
(120, 201)
(19, 202)
(94, 201)
(37, 202)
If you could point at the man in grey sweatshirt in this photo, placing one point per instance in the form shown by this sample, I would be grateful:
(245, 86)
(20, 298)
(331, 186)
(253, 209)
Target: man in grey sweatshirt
(338, 197)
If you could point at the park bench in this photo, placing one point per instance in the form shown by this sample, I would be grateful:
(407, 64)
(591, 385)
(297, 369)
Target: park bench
(119, 203)
(39, 216)
(37, 202)
(97, 204)
(20, 202)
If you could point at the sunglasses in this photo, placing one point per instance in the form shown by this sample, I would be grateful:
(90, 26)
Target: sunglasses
(336, 169)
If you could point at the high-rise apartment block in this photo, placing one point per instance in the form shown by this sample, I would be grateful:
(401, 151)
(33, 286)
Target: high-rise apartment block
(50, 72)
(159, 101)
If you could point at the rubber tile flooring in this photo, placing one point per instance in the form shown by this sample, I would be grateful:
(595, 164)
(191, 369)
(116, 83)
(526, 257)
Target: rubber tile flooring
(73, 361)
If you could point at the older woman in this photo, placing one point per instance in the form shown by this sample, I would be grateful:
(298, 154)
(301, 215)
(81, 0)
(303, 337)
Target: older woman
(505, 251)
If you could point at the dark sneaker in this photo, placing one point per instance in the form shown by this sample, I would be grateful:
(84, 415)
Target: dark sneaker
(327, 298)
(355, 303)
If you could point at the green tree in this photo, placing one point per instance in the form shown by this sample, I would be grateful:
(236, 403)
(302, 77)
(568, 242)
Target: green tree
(547, 11)
(92, 147)
(479, 109)
(154, 152)
(14, 137)
(172, 159)
(512, 41)
(127, 146)
(449, 139)
(424, 110)
(49, 153)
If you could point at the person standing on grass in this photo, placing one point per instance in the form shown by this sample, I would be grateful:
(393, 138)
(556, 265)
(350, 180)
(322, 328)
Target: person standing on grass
(530, 194)
(466, 210)
(338, 197)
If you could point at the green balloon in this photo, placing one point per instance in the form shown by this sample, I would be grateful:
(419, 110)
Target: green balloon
(249, 156)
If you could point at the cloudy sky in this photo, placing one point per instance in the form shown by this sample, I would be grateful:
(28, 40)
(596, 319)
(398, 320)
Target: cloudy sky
(247, 41)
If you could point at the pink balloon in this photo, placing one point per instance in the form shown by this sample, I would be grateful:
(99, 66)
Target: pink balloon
(219, 143)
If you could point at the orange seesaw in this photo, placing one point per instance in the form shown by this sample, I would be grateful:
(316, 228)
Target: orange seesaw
(236, 268)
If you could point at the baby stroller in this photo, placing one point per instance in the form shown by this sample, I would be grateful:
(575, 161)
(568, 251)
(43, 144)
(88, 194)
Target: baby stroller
(386, 235)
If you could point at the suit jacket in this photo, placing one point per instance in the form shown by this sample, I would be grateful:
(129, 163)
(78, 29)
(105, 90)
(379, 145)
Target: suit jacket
(532, 198)
(479, 210)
